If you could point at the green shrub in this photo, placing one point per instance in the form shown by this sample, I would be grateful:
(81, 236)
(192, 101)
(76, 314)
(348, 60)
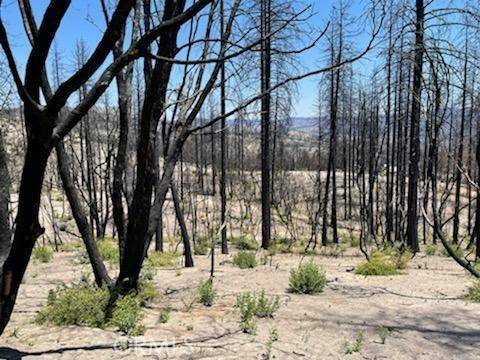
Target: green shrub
(383, 333)
(473, 292)
(147, 292)
(356, 346)
(254, 306)
(80, 304)
(64, 218)
(108, 249)
(84, 304)
(400, 257)
(308, 278)
(71, 246)
(43, 254)
(127, 315)
(206, 292)
(202, 245)
(247, 305)
(163, 259)
(272, 250)
(164, 315)
(245, 260)
(272, 337)
(283, 245)
(385, 262)
(379, 264)
(243, 243)
(260, 304)
(265, 307)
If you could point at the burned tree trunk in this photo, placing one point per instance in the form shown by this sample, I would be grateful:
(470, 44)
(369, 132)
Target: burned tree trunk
(413, 170)
(81, 219)
(265, 136)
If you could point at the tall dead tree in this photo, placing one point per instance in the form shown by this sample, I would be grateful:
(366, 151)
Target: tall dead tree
(223, 145)
(459, 155)
(414, 157)
(265, 59)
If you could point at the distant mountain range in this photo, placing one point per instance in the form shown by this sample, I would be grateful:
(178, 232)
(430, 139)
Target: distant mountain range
(306, 124)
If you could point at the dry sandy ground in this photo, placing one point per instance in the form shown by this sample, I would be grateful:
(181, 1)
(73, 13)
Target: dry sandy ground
(422, 309)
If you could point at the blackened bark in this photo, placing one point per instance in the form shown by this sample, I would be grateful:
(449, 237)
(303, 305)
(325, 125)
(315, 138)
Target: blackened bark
(265, 107)
(81, 219)
(223, 144)
(27, 228)
(5, 230)
(413, 171)
(458, 172)
(187, 250)
(153, 107)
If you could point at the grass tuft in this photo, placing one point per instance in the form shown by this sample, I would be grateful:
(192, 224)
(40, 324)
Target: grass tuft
(43, 254)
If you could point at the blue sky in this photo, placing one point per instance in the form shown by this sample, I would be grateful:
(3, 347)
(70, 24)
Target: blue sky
(85, 21)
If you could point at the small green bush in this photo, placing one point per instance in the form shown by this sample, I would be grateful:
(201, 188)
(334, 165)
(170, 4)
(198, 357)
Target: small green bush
(108, 249)
(243, 243)
(355, 346)
(245, 260)
(260, 304)
(272, 250)
(202, 246)
(164, 315)
(64, 218)
(283, 245)
(206, 292)
(71, 246)
(254, 306)
(400, 257)
(473, 292)
(379, 264)
(308, 278)
(383, 332)
(80, 304)
(266, 307)
(163, 259)
(247, 305)
(43, 254)
(272, 337)
(127, 315)
(84, 304)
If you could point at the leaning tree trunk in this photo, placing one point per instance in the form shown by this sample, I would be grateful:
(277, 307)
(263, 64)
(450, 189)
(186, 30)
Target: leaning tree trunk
(81, 218)
(27, 228)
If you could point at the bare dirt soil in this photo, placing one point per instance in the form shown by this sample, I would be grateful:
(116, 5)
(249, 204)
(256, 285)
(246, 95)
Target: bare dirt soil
(422, 312)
